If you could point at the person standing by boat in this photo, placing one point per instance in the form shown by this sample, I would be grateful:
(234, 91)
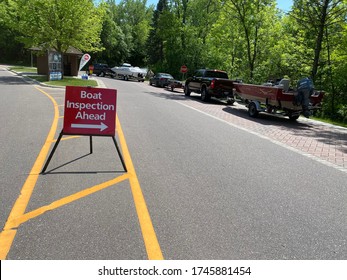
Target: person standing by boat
(305, 89)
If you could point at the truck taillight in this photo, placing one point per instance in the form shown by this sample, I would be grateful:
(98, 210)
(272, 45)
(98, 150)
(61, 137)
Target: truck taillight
(212, 84)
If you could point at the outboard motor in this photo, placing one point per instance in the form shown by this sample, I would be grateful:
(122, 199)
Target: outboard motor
(305, 89)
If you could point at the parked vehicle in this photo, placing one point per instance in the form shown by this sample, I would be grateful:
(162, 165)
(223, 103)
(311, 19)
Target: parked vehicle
(160, 79)
(127, 72)
(173, 84)
(210, 83)
(102, 70)
(277, 99)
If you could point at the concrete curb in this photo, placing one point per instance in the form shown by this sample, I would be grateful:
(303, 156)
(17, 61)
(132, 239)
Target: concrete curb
(33, 81)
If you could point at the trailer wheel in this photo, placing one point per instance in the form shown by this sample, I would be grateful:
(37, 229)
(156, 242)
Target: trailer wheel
(230, 101)
(186, 90)
(252, 110)
(293, 117)
(205, 95)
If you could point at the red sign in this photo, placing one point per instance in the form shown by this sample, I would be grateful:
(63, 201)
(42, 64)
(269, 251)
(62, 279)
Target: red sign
(85, 58)
(184, 69)
(90, 111)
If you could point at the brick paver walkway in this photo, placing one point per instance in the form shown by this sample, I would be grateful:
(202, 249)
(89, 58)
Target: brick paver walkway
(323, 142)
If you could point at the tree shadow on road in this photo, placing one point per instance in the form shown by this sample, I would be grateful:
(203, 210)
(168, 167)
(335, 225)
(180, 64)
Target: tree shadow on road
(265, 119)
(324, 133)
(12, 80)
(167, 95)
(179, 95)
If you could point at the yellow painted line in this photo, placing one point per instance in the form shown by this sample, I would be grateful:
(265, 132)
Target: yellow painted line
(66, 138)
(8, 234)
(69, 137)
(148, 233)
(63, 201)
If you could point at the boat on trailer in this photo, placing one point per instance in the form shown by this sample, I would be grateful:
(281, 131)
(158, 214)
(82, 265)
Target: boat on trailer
(276, 99)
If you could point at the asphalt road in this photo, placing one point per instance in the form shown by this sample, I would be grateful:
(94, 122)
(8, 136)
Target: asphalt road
(212, 190)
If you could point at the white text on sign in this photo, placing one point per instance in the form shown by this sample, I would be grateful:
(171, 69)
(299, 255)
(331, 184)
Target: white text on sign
(90, 106)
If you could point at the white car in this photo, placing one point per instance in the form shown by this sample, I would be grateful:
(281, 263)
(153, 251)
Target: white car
(126, 72)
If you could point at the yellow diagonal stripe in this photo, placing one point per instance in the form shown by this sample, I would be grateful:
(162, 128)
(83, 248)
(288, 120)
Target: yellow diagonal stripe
(63, 201)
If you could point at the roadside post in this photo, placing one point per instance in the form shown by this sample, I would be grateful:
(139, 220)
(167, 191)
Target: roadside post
(89, 112)
(91, 70)
(183, 70)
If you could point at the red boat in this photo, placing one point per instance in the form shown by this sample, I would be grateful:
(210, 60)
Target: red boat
(273, 99)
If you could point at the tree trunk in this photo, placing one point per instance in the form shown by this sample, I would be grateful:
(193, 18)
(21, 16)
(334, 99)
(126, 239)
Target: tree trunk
(319, 41)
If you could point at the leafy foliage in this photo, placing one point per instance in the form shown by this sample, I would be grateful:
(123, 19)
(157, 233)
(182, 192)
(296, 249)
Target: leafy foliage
(56, 24)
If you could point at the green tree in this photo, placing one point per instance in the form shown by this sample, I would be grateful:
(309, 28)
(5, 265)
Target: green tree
(169, 34)
(202, 14)
(314, 17)
(244, 40)
(57, 24)
(133, 17)
(322, 30)
(254, 18)
(11, 51)
(155, 46)
(115, 48)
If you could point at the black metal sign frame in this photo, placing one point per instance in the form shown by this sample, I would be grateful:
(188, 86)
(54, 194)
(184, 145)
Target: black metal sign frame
(90, 145)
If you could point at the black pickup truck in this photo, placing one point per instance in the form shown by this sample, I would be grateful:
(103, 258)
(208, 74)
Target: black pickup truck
(210, 83)
(102, 70)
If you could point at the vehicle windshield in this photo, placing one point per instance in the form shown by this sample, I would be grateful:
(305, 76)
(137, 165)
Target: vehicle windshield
(216, 74)
(166, 76)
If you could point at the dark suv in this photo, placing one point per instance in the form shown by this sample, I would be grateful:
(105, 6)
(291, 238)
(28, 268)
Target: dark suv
(101, 69)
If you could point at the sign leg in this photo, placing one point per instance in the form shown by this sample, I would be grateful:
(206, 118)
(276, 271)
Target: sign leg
(52, 152)
(91, 144)
(119, 153)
